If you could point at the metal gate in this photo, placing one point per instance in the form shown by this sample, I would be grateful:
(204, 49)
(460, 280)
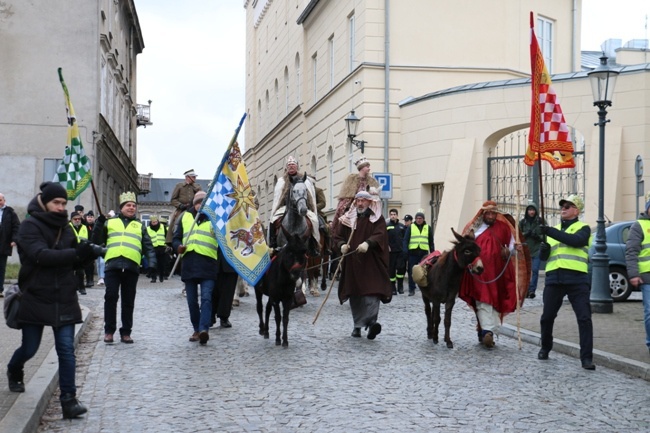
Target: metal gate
(436, 198)
(510, 181)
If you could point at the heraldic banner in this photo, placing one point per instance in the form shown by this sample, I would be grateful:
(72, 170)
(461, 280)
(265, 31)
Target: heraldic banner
(230, 205)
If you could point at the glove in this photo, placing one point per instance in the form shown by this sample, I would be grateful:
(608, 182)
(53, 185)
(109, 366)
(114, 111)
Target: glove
(84, 251)
(168, 249)
(182, 207)
(345, 248)
(544, 251)
(543, 228)
(181, 249)
(101, 218)
(363, 247)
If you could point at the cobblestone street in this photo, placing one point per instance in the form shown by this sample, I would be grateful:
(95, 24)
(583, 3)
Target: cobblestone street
(326, 381)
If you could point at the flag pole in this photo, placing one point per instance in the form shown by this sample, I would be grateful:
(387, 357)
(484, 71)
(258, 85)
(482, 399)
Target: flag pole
(99, 208)
(517, 273)
(233, 140)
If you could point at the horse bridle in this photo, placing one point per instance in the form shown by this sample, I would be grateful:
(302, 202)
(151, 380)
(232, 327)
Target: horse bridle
(468, 267)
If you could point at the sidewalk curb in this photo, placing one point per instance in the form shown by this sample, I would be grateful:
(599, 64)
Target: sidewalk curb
(25, 414)
(605, 359)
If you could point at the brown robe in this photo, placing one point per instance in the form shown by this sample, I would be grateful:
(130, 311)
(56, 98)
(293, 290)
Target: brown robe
(365, 274)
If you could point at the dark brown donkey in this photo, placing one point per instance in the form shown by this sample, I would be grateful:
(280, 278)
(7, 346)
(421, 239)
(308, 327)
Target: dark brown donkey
(443, 282)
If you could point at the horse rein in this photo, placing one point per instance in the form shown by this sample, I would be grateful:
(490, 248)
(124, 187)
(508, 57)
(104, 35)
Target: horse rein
(498, 276)
(330, 261)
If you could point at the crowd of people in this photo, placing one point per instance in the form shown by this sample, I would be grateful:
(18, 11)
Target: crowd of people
(59, 255)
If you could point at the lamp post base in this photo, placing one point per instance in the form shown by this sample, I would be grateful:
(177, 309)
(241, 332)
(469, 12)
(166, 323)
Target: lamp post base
(602, 307)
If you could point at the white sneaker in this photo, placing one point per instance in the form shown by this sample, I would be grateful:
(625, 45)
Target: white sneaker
(183, 293)
(100, 282)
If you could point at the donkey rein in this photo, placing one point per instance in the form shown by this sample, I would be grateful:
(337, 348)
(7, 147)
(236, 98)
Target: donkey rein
(330, 261)
(498, 276)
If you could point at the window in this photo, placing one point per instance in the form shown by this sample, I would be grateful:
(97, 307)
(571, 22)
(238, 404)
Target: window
(314, 63)
(544, 33)
(298, 78)
(330, 183)
(49, 168)
(330, 47)
(286, 91)
(353, 40)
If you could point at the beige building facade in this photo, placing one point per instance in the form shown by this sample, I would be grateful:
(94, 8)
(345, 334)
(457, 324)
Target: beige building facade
(439, 91)
(96, 44)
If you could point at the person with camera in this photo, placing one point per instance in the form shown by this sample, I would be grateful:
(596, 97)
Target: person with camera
(49, 253)
(529, 227)
(567, 254)
(126, 240)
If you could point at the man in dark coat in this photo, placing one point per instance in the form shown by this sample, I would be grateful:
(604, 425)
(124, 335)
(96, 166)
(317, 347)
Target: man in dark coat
(529, 227)
(9, 224)
(224, 291)
(396, 263)
(364, 280)
(49, 253)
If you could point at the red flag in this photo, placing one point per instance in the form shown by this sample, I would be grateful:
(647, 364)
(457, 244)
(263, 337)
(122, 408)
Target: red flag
(549, 133)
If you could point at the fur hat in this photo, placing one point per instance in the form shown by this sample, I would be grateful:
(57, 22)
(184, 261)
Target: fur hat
(153, 218)
(127, 197)
(575, 200)
(190, 173)
(52, 190)
(363, 194)
(199, 196)
(362, 162)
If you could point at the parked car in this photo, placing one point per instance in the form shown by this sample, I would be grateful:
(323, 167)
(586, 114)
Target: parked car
(615, 237)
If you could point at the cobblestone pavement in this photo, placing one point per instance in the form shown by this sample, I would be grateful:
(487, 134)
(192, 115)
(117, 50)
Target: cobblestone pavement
(326, 381)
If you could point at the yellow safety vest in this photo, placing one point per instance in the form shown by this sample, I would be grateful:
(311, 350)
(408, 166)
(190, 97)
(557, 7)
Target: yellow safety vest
(565, 257)
(157, 237)
(81, 234)
(419, 239)
(202, 240)
(124, 241)
(644, 254)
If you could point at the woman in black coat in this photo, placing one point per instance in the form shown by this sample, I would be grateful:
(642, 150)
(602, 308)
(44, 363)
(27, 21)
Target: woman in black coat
(49, 253)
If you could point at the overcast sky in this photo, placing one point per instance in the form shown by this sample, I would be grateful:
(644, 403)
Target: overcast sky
(193, 69)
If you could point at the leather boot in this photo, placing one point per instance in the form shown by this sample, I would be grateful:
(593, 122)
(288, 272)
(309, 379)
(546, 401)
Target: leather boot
(392, 284)
(400, 286)
(313, 249)
(71, 407)
(16, 383)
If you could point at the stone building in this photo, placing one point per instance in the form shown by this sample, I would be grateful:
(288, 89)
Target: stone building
(443, 96)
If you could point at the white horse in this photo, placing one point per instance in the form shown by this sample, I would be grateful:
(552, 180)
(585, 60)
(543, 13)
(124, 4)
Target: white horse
(240, 291)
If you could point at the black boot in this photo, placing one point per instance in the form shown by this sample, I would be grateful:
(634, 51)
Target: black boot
(400, 286)
(72, 408)
(16, 383)
(313, 249)
(392, 284)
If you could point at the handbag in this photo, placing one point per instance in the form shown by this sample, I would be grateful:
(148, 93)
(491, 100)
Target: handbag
(11, 306)
(298, 299)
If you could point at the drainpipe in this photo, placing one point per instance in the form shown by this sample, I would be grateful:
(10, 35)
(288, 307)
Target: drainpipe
(574, 14)
(386, 93)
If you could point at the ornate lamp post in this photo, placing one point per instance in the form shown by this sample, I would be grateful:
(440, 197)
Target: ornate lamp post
(352, 123)
(603, 80)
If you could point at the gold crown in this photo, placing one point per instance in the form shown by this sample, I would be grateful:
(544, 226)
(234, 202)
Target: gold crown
(127, 196)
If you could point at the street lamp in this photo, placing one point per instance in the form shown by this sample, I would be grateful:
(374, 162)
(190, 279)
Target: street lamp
(352, 123)
(603, 80)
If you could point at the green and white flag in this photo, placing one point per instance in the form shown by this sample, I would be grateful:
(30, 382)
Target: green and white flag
(74, 172)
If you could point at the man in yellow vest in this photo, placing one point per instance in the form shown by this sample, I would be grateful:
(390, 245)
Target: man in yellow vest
(637, 258)
(197, 243)
(81, 232)
(566, 255)
(418, 242)
(126, 240)
(158, 234)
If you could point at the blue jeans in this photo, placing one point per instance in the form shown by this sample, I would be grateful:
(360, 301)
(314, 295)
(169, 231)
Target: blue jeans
(64, 344)
(645, 292)
(100, 267)
(201, 317)
(536, 263)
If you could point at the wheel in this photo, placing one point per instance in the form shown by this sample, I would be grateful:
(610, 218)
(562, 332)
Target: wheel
(619, 286)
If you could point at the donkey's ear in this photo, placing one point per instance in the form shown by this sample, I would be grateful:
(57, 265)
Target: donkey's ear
(458, 237)
(304, 177)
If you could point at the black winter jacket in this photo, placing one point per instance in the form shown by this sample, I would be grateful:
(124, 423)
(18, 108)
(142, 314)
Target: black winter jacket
(8, 230)
(46, 275)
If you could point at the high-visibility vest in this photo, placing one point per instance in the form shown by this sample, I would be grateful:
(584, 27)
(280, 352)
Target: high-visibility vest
(157, 237)
(124, 241)
(202, 240)
(565, 257)
(419, 239)
(81, 234)
(644, 255)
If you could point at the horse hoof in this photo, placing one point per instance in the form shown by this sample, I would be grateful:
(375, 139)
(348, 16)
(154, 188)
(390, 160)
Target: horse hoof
(277, 343)
(266, 336)
(435, 340)
(235, 303)
(314, 293)
(285, 344)
(450, 345)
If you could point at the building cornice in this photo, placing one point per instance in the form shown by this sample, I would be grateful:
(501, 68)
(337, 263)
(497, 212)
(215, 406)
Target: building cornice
(308, 10)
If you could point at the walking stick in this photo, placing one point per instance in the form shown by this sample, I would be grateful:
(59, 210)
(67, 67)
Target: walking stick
(336, 272)
(178, 256)
(517, 276)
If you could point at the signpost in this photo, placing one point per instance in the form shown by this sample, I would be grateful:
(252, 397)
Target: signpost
(385, 183)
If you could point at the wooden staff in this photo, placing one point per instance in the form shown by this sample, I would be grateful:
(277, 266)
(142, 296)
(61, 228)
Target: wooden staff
(99, 208)
(338, 268)
(178, 256)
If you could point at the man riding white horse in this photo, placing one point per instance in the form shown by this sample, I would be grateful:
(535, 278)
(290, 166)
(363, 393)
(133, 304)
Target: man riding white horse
(280, 192)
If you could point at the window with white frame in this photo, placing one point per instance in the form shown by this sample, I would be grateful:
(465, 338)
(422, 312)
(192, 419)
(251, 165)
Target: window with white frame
(314, 66)
(330, 47)
(352, 39)
(544, 33)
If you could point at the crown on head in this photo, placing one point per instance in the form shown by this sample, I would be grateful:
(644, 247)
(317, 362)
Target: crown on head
(127, 196)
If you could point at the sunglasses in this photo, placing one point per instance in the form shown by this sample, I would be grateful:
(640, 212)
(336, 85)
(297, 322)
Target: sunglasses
(76, 219)
(567, 206)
